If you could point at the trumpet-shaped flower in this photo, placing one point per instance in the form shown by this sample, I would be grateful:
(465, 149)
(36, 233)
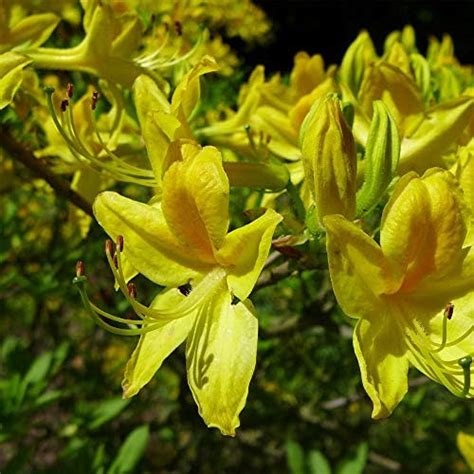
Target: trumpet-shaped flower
(184, 244)
(412, 293)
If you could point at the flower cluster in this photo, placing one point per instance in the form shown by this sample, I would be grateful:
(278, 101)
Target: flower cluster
(370, 161)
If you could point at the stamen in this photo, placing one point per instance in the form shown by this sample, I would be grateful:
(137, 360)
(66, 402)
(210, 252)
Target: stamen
(249, 132)
(132, 290)
(95, 98)
(70, 90)
(465, 364)
(119, 245)
(80, 269)
(447, 315)
(186, 289)
(178, 27)
(109, 247)
(64, 104)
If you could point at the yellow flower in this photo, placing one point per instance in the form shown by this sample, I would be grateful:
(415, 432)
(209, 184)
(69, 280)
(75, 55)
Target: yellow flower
(404, 290)
(465, 444)
(183, 243)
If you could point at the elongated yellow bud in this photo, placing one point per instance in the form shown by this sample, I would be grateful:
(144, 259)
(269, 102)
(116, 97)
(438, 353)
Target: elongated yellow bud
(329, 158)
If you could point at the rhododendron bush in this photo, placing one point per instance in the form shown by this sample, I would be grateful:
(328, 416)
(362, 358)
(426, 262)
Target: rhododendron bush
(284, 258)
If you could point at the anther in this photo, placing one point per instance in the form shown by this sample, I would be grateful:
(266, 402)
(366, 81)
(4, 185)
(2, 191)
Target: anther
(109, 247)
(119, 243)
(166, 26)
(70, 90)
(64, 104)
(115, 260)
(80, 269)
(449, 310)
(132, 290)
(185, 289)
(178, 27)
(95, 98)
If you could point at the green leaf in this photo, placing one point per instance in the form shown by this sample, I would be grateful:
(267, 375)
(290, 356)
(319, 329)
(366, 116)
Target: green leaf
(131, 451)
(318, 463)
(357, 464)
(39, 369)
(295, 457)
(107, 410)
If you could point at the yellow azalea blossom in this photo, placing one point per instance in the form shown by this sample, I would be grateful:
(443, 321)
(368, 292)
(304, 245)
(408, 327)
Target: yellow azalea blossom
(426, 133)
(183, 244)
(412, 294)
(272, 112)
(465, 444)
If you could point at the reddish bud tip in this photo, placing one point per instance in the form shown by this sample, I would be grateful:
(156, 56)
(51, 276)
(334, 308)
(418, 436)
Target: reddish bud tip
(95, 98)
(132, 290)
(109, 247)
(80, 269)
(64, 104)
(70, 90)
(449, 310)
(120, 243)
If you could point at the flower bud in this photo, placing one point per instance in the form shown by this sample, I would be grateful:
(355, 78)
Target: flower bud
(329, 158)
(359, 54)
(382, 153)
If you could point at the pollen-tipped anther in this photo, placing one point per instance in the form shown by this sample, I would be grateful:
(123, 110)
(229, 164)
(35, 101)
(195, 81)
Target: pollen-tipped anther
(178, 27)
(70, 90)
(64, 104)
(449, 310)
(95, 98)
(132, 290)
(119, 245)
(109, 247)
(80, 269)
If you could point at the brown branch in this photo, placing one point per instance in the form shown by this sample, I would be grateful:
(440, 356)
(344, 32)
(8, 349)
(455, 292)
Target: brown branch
(272, 275)
(18, 152)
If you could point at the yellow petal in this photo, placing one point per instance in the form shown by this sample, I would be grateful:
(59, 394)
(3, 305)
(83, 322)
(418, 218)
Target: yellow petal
(383, 362)
(300, 110)
(195, 201)
(465, 444)
(186, 96)
(307, 73)
(436, 344)
(424, 227)
(359, 271)
(34, 30)
(11, 75)
(440, 129)
(220, 357)
(149, 245)
(155, 346)
(245, 250)
(385, 82)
